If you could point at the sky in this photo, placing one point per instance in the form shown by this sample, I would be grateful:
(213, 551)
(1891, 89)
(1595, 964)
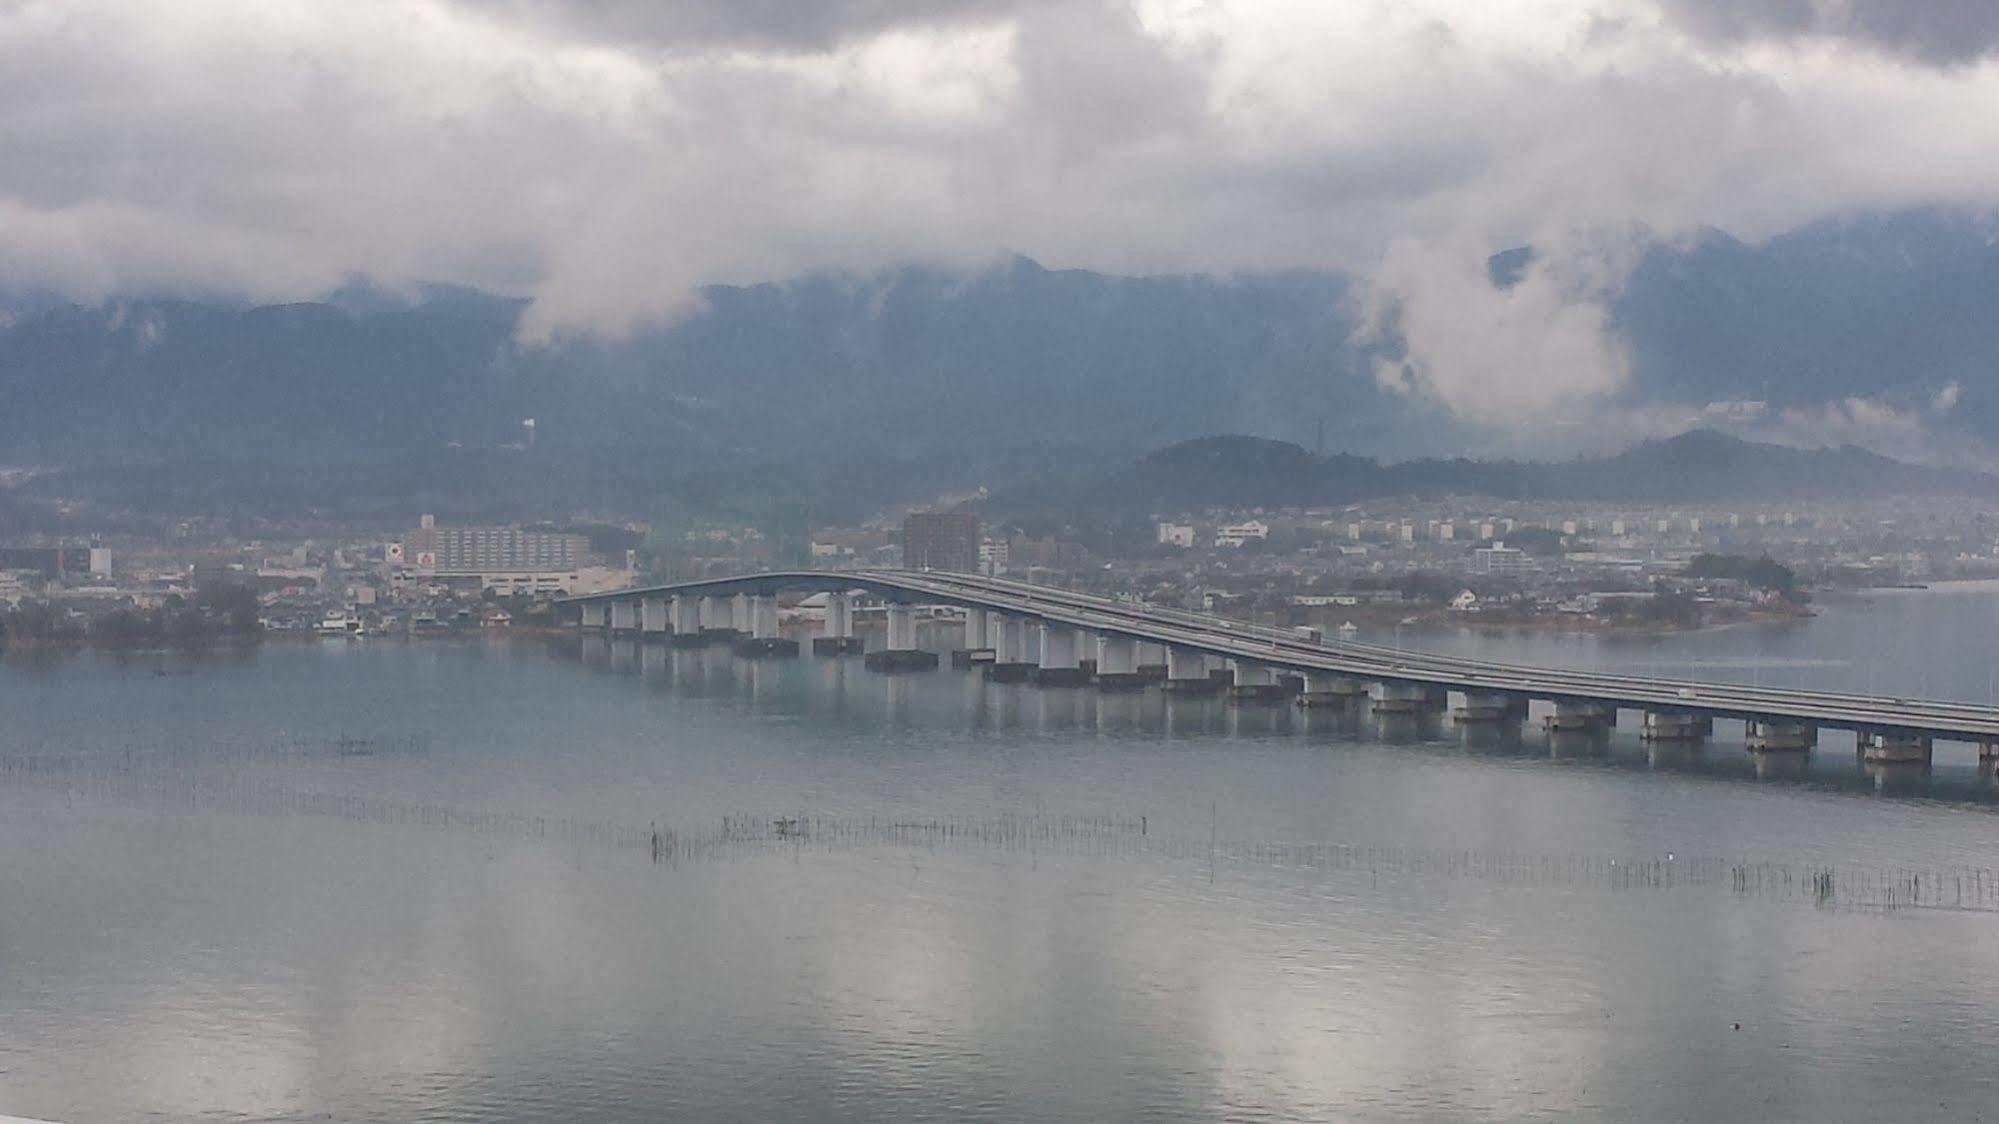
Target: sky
(605, 157)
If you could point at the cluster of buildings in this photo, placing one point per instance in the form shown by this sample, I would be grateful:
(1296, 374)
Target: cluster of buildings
(957, 541)
(431, 575)
(1454, 555)
(1537, 558)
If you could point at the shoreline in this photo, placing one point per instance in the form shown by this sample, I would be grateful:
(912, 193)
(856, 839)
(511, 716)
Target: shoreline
(1576, 624)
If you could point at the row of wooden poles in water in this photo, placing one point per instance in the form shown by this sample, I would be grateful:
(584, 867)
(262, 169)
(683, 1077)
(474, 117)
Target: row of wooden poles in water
(741, 836)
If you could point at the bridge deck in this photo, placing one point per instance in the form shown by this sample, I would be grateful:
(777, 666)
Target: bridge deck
(1278, 649)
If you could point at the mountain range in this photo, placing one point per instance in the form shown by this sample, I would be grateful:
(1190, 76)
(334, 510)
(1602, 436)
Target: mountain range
(948, 376)
(1702, 466)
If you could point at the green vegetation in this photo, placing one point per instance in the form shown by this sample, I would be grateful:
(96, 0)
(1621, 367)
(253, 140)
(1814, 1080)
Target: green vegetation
(1242, 473)
(1538, 541)
(1763, 573)
(217, 612)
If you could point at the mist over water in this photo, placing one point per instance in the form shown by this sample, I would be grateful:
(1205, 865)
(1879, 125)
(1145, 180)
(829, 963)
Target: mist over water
(572, 879)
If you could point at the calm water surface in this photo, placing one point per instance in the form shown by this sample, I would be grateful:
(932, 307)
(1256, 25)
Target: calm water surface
(573, 880)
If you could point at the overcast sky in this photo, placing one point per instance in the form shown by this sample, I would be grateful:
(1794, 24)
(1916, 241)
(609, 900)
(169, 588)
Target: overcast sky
(605, 156)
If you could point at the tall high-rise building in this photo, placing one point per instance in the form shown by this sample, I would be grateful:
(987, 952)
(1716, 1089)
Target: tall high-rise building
(941, 540)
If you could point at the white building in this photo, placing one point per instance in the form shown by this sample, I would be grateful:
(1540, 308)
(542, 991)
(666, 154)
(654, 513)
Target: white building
(1501, 559)
(995, 557)
(1236, 534)
(1176, 534)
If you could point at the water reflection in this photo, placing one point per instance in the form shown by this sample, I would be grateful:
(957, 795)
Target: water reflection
(837, 689)
(1307, 924)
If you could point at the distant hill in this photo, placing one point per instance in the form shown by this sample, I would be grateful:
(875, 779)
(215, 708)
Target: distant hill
(1895, 307)
(1699, 466)
(906, 360)
(970, 374)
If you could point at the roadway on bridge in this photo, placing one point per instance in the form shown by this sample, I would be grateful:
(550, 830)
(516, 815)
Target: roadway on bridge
(1287, 652)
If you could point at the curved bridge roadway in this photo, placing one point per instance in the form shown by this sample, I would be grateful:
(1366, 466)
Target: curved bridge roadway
(1287, 652)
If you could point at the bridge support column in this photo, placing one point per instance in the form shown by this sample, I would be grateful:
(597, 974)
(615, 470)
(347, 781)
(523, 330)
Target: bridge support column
(1256, 682)
(1060, 665)
(1673, 726)
(684, 614)
(1491, 706)
(1151, 660)
(1408, 698)
(1010, 660)
(624, 615)
(1326, 689)
(1187, 673)
(1895, 747)
(1117, 663)
(764, 641)
(718, 619)
(836, 637)
(1764, 735)
(652, 618)
(978, 647)
(1573, 715)
(901, 652)
(593, 614)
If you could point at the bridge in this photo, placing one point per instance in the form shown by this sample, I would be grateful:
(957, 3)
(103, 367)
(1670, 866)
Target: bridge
(1056, 637)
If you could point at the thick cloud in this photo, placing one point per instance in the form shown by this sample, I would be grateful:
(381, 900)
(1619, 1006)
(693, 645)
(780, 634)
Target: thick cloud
(796, 25)
(1935, 32)
(605, 157)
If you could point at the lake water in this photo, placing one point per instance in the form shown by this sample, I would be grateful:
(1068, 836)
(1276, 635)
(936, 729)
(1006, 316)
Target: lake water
(542, 880)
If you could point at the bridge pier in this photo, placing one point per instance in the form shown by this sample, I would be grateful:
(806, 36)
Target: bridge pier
(684, 616)
(1408, 698)
(1010, 663)
(624, 616)
(978, 647)
(836, 635)
(1490, 706)
(1187, 673)
(764, 640)
(900, 652)
(1152, 660)
(1895, 747)
(1117, 663)
(1060, 664)
(1326, 689)
(592, 615)
(1674, 726)
(1765, 735)
(1255, 682)
(652, 618)
(1575, 715)
(718, 620)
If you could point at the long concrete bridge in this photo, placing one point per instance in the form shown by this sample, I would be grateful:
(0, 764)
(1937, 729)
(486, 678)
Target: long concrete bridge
(1051, 636)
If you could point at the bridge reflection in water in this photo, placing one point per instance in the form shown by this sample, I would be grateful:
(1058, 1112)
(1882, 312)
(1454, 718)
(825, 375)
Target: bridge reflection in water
(1041, 658)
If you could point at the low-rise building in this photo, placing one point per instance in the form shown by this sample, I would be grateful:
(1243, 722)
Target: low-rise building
(1501, 559)
(1236, 534)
